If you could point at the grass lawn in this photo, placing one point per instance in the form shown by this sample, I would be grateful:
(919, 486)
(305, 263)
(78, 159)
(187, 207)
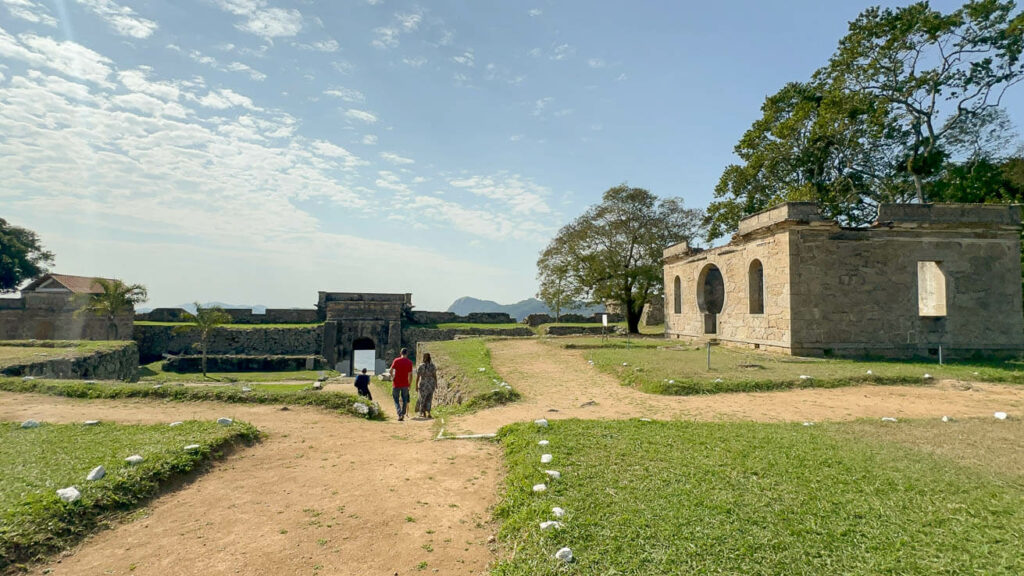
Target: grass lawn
(231, 326)
(467, 363)
(15, 352)
(663, 367)
(153, 373)
(765, 499)
(37, 462)
(296, 395)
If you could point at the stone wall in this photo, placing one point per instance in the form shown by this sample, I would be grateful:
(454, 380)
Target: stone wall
(229, 363)
(119, 364)
(829, 290)
(557, 330)
(535, 320)
(239, 316)
(155, 341)
(59, 323)
(413, 335)
(654, 311)
(421, 317)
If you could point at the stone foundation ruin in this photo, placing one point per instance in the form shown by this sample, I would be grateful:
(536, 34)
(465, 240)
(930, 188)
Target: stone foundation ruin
(923, 276)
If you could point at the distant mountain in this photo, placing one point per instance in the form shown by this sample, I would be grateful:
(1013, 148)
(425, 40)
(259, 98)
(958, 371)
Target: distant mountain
(519, 310)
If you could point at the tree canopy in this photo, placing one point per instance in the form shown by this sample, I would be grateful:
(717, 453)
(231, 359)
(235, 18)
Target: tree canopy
(204, 321)
(613, 251)
(909, 94)
(22, 256)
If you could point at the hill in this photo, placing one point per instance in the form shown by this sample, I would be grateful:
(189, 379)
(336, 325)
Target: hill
(519, 310)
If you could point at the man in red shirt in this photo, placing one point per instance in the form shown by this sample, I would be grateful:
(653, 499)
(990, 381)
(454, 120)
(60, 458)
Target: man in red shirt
(400, 370)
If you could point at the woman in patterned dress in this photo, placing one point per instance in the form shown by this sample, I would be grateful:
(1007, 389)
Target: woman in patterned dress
(426, 383)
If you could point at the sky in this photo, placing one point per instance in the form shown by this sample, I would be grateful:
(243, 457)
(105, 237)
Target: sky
(257, 151)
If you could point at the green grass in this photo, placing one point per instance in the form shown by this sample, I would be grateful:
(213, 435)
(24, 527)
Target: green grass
(37, 462)
(461, 361)
(15, 352)
(153, 373)
(663, 367)
(295, 395)
(231, 326)
(652, 498)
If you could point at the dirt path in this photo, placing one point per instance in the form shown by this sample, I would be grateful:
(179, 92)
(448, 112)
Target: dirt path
(327, 495)
(553, 378)
(321, 494)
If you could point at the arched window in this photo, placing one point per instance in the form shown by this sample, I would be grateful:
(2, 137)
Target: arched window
(677, 296)
(756, 287)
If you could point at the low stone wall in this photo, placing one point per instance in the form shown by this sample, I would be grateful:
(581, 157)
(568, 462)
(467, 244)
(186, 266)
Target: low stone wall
(17, 323)
(119, 364)
(578, 330)
(155, 341)
(421, 317)
(239, 315)
(224, 363)
(412, 335)
(534, 320)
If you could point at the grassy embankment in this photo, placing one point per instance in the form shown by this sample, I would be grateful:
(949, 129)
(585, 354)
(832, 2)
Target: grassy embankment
(295, 395)
(154, 374)
(662, 367)
(866, 497)
(466, 365)
(37, 462)
(14, 352)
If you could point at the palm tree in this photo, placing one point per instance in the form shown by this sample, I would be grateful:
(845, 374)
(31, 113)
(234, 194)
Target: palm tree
(205, 320)
(116, 299)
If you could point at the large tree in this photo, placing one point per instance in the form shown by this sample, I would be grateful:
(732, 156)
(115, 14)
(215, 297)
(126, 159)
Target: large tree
(909, 93)
(613, 251)
(116, 299)
(22, 256)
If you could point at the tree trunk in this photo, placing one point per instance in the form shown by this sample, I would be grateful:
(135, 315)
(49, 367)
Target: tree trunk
(917, 188)
(204, 357)
(632, 317)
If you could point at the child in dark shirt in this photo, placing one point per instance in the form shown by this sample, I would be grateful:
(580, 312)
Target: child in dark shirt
(363, 384)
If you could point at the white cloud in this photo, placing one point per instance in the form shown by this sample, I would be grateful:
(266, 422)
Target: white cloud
(30, 11)
(535, 12)
(361, 115)
(68, 58)
(596, 63)
(207, 60)
(562, 51)
(326, 46)
(330, 150)
(415, 61)
(395, 158)
(370, 139)
(513, 191)
(564, 112)
(225, 98)
(540, 104)
(482, 222)
(374, 2)
(252, 72)
(466, 58)
(386, 37)
(516, 137)
(409, 22)
(122, 19)
(390, 181)
(268, 23)
(138, 81)
(346, 94)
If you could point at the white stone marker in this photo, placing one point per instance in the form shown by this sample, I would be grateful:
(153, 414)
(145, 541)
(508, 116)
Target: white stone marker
(539, 487)
(808, 423)
(361, 408)
(69, 494)
(97, 473)
(225, 421)
(91, 422)
(545, 458)
(547, 524)
(246, 389)
(192, 447)
(543, 443)
(888, 419)
(805, 377)
(173, 424)
(134, 460)
(564, 554)
(558, 512)
(1000, 415)
(946, 418)
(869, 372)
(927, 376)
(554, 474)
(30, 424)
(543, 423)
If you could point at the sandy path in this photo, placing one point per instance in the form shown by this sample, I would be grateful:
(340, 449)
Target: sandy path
(321, 494)
(324, 494)
(550, 377)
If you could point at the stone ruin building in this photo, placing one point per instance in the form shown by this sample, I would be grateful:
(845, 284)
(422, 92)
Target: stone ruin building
(923, 276)
(361, 321)
(47, 310)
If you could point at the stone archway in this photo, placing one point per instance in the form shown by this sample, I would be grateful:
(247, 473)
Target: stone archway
(710, 296)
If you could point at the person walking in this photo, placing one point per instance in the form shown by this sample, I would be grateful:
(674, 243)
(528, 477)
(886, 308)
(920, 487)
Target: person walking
(363, 385)
(400, 371)
(426, 383)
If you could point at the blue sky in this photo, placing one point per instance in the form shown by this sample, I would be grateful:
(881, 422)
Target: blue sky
(256, 151)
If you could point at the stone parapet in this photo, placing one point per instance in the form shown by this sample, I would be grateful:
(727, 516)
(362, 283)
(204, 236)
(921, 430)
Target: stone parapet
(976, 214)
(797, 212)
